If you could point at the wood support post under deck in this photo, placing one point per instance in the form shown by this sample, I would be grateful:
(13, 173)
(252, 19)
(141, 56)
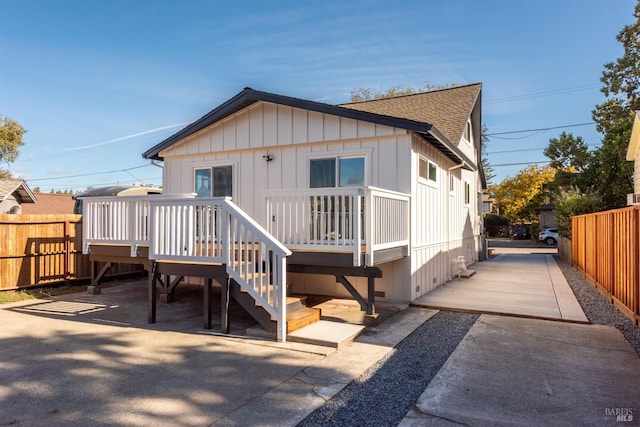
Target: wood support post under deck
(151, 295)
(225, 296)
(96, 277)
(207, 303)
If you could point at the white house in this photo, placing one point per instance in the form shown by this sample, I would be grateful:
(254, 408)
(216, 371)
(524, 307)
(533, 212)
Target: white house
(633, 155)
(372, 199)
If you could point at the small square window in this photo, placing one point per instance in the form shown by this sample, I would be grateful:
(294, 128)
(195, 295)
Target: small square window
(428, 170)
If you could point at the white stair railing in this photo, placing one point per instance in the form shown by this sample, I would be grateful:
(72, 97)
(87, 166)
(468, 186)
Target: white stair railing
(216, 230)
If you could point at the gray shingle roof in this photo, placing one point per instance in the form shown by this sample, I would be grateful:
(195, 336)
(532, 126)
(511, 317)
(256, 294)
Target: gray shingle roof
(447, 109)
(11, 186)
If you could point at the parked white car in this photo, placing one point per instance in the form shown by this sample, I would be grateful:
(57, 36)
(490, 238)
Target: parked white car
(549, 236)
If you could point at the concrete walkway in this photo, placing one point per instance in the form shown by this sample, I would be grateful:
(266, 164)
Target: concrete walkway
(525, 283)
(512, 371)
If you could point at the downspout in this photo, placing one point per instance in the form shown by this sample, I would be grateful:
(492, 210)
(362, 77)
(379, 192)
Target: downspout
(448, 216)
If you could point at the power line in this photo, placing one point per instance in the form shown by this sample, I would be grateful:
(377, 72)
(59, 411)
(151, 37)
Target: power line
(527, 149)
(540, 129)
(541, 94)
(88, 174)
(520, 164)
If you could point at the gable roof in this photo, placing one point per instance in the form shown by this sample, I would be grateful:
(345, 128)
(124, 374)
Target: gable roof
(250, 96)
(51, 204)
(18, 188)
(447, 109)
(634, 141)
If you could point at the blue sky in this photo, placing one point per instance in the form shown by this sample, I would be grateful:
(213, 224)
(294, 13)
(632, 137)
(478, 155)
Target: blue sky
(97, 83)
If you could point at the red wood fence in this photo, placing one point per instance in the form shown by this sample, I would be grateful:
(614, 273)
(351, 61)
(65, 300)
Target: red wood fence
(38, 250)
(605, 246)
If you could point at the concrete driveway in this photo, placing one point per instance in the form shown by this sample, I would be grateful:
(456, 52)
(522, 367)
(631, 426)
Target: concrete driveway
(92, 360)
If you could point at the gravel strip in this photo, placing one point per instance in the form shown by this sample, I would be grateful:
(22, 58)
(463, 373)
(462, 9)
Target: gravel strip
(598, 309)
(384, 394)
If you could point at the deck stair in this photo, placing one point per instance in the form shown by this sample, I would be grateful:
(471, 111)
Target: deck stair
(298, 314)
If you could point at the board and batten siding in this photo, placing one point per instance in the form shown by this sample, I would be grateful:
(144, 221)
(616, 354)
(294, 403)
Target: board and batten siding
(291, 136)
(443, 225)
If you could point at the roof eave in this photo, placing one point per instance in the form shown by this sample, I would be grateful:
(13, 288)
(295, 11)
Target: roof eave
(249, 96)
(437, 139)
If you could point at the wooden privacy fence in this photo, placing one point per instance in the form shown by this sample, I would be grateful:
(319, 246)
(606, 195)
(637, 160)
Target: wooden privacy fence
(605, 246)
(38, 250)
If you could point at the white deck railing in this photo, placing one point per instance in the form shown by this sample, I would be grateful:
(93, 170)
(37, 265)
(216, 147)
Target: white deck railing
(196, 230)
(339, 220)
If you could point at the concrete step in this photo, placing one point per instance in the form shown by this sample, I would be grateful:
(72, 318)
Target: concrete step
(326, 333)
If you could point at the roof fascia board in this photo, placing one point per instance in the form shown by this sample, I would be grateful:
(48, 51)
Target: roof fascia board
(250, 96)
(458, 155)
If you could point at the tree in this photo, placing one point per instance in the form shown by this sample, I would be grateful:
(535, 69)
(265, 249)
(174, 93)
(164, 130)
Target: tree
(571, 202)
(10, 142)
(612, 175)
(518, 197)
(621, 79)
(488, 170)
(367, 94)
(568, 152)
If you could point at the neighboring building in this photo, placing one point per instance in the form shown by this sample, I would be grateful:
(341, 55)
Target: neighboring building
(488, 204)
(14, 193)
(547, 215)
(258, 146)
(50, 204)
(633, 155)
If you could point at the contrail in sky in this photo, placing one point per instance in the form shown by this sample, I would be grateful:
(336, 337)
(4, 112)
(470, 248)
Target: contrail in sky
(146, 132)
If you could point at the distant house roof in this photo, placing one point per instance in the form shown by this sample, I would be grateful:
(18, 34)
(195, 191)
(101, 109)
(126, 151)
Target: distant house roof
(16, 188)
(634, 142)
(250, 96)
(51, 204)
(447, 109)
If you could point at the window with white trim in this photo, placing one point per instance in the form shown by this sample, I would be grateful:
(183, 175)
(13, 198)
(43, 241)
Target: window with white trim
(467, 131)
(467, 193)
(428, 170)
(336, 172)
(216, 181)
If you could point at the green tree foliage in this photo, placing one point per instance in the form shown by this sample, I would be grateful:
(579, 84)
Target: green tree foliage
(368, 94)
(571, 202)
(488, 170)
(568, 153)
(610, 172)
(496, 225)
(518, 197)
(10, 142)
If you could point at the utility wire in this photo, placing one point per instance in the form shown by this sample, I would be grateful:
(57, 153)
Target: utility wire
(88, 174)
(540, 129)
(528, 149)
(541, 94)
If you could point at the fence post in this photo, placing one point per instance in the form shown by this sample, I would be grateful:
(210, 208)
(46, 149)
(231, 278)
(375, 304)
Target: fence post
(67, 252)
